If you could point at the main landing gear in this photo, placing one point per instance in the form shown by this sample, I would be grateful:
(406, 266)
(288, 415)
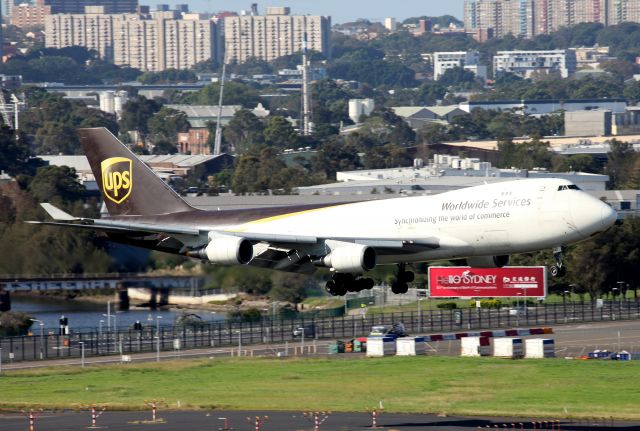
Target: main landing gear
(558, 270)
(403, 278)
(341, 283)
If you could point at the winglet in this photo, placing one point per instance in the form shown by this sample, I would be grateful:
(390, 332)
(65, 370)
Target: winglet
(57, 214)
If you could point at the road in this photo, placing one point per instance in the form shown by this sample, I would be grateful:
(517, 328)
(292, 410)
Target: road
(283, 421)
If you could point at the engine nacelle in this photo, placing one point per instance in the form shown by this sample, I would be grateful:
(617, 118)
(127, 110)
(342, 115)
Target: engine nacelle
(354, 258)
(488, 261)
(229, 250)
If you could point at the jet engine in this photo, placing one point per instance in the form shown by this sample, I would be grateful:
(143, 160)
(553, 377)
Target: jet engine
(226, 250)
(353, 258)
(487, 261)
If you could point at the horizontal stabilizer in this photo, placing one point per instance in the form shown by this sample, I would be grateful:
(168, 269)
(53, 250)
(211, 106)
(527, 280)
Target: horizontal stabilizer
(57, 214)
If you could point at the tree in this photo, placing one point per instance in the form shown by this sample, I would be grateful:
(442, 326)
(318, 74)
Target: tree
(163, 146)
(15, 155)
(279, 133)
(621, 165)
(56, 182)
(57, 138)
(168, 76)
(235, 93)
(456, 76)
(289, 287)
(136, 114)
(243, 131)
(387, 156)
(335, 156)
(576, 163)
(165, 125)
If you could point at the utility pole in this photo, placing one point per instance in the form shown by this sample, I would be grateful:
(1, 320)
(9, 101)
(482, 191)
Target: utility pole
(217, 148)
(307, 124)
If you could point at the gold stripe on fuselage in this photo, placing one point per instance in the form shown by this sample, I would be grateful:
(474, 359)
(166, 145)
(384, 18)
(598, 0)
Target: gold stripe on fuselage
(248, 225)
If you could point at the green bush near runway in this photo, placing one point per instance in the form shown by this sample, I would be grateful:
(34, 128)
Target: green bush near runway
(548, 388)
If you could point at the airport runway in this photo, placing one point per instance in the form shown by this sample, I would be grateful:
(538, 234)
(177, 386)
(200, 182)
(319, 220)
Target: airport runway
(284, 421)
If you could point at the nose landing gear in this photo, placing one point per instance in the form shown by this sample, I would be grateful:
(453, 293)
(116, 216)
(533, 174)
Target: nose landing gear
(558, 270)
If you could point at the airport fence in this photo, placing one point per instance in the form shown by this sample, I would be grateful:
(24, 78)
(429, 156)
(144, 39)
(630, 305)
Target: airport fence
(233, 333)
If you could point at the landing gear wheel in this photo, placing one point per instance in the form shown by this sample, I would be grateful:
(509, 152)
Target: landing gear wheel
(558, 270)
(331, 288)
(399, 287)
(409, 276)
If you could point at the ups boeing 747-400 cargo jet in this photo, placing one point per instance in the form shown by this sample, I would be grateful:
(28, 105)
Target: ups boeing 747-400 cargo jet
(483, 224)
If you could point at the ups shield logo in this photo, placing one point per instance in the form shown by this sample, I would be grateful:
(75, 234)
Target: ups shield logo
(116, 178)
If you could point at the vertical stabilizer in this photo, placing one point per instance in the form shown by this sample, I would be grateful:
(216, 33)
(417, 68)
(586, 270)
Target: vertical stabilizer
(128, 186)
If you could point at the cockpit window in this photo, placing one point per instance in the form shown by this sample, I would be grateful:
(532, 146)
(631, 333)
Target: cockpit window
(569, 187)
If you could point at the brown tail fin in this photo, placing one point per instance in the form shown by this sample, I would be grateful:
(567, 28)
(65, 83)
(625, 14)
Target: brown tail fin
(128, 186)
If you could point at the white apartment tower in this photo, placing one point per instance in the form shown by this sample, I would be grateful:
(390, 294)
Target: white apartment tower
(524, 63)
(469, 60)
(148, 42)
(274, 35)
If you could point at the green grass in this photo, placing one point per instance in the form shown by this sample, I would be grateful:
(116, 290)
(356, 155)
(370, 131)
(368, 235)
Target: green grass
(465, 386)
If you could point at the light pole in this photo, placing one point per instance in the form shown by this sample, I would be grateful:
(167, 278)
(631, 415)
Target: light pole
(158, 336)
(621, 286)
(239, 332)
(81, 352)
(41, 323)
(100, 328)
(108, 315)
(301, 329)
(420, 313)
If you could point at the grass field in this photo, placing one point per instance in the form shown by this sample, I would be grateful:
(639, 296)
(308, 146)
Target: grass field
(466, 386)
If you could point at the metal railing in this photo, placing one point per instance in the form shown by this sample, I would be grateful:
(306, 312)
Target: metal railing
(230, 333)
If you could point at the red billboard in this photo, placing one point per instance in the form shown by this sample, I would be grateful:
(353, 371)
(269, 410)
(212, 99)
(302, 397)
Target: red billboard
(507, 282)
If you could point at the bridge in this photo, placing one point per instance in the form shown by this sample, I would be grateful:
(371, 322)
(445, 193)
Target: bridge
(120, 282)
(31, 283)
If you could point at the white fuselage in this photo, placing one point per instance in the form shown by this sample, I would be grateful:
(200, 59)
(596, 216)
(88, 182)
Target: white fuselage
(496, 219)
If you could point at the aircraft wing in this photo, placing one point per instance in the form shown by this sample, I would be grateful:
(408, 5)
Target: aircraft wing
(271, 250)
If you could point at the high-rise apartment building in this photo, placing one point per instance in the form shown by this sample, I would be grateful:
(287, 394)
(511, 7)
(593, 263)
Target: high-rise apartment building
(152, 42)
(274, 35)
(528, 18)
(78, 6)
(29, 15)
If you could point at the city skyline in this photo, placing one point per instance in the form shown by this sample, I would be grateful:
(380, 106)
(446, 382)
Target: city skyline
(339, 11)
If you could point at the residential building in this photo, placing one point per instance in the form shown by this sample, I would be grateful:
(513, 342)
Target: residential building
(524, 63)
(591, 57)
(529, 18)
(274, 35)
(469, 60)
(78, 6)
(27, 15)
(390, 24)
(149, 42)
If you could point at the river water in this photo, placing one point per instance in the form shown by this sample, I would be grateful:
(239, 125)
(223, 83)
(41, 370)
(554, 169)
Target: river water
(83, 315)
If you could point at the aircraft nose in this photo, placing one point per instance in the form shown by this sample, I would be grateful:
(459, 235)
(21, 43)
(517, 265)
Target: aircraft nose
(591, 215)
(609, 215)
